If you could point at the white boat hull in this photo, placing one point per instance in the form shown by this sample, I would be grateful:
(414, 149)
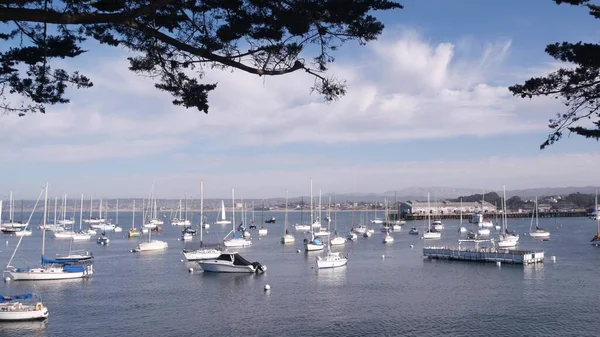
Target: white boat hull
(432, 235)
(16, 311)
(50, 273)
(224, 267)
(262, 231)
(540, 234)
(202, 254)
(352, 237)
(302, 227)
(388, 239)
(337, 241)
(332, 260)
(187, 237)
(223, 222)
(507, 243)
(237, 243)
(311, 247)
(483, 231)
(152, 245)
(288, 238)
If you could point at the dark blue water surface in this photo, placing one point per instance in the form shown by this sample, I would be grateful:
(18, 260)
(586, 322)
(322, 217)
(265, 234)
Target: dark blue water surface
(401, 294)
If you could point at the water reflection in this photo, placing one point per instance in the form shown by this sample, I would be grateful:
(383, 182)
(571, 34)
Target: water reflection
(332, 276)
(35, 328)
(533, 271)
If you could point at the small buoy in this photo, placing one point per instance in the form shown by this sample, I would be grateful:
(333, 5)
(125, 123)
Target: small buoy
(498, 263)
(181, 260)
(411, 246)
(191, 270)
(421, 238)
(6, 279)
(267, 287)
(131, 250)
(383, 256)
(553, 258)
(298, 251)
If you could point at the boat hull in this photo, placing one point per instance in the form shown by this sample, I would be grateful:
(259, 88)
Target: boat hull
(540, 234)
(288, 238)
(214, 266)
(202, 254)
(24, 315)
(237, 243)
(431, 235)
(311, 247)
(151, 246)
(337, 241)
(45, 274)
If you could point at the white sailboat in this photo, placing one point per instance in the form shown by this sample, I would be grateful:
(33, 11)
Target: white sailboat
(506, 239)
(314, 243)
(64, 221)
(202, 253)
(223, 220)
(236, 241)
(430, 233)
(332, 259)
(12, 224)
(461, 228)
(336, 240)
(538, 232)
(151, 245)
(181, 221)
(287, 236)
(596, 239)
(50, 269)
(302, 226)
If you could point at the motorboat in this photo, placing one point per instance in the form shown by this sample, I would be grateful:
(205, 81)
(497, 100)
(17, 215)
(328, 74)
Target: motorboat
(103, 239)
(331, 260)
(352, 236)
(187, 236)
(272, 220)
(413, 231)
(231, 262)
(263, 231)
(13, 309)
(437, 225)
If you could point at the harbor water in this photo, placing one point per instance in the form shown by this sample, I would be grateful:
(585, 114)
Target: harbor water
(385, 290)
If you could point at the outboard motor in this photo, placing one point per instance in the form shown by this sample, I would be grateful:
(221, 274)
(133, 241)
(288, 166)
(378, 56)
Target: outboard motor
(258, 268)
(305, 241)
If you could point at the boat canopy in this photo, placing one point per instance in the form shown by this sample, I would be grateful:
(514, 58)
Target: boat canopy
(238, 260)
(15, 297)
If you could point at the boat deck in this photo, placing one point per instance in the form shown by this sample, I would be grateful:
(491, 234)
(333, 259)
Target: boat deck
(511, 256)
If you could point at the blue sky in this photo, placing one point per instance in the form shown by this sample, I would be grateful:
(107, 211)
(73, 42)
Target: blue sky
(427, 106)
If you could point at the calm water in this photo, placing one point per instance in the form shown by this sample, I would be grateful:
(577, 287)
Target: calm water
(399, 295)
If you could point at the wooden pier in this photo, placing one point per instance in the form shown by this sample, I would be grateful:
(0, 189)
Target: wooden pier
(511, 256)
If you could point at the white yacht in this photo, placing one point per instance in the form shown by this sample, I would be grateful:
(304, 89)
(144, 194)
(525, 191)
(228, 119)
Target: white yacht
(231, 262)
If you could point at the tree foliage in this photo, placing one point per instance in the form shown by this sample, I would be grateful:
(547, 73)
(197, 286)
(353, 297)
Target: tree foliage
(578, 87)
(174, 41)
(491, 197)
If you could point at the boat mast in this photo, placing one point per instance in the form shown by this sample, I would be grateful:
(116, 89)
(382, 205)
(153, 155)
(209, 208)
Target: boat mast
(91, 206)
(44, 219)
(311, 208)
(185, 212)
(117, 215)
(55, 208)
(201, 209)
(285, 220)
(232, 211)
(133, 215)
(81, 213)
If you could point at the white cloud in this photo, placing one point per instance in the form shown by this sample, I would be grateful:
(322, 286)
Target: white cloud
(409, 89)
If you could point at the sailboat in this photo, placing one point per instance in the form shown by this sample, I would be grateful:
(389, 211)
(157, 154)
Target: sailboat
(596, 239)
(223, 220)
(461, 228)
(319, 230)
(538, 232)
(71, 234)
(236, 240)
(179, 221)
(49, 269)
(133, 232)
(387, 238)
(430, 233)
(507, 239)
(302, 226)
(287, 236)
(315, 243)
(332, 259)
(12, 309)
(64, 221)
(12, 224)
(202, 253)
(336, 240)
(151, 245)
